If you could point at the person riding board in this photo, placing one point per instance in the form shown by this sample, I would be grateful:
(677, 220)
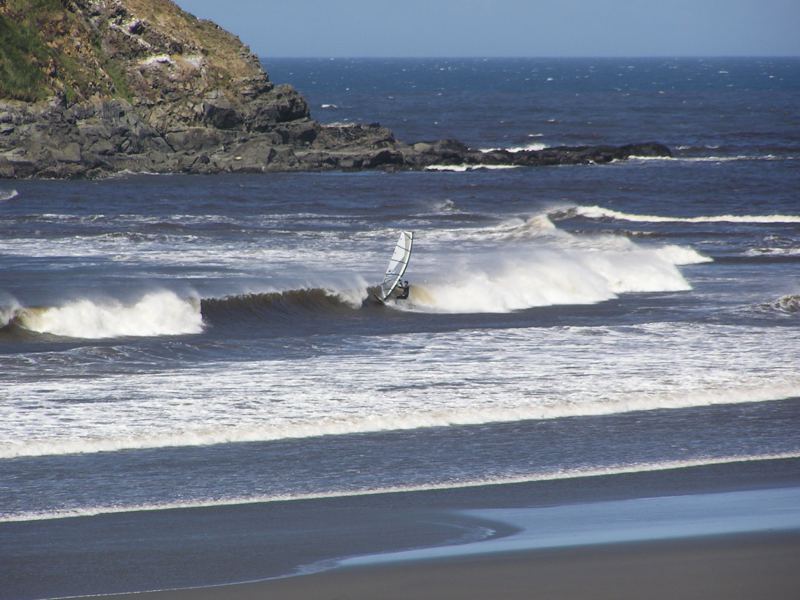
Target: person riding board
(403, 290)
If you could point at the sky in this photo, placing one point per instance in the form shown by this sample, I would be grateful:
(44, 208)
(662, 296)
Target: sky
(539, 28)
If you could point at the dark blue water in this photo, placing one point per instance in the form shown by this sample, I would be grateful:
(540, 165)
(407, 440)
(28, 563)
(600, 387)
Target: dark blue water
(177, 340)
(731, 105)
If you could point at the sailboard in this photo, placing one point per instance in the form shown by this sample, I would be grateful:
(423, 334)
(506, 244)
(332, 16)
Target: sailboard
(397, 265)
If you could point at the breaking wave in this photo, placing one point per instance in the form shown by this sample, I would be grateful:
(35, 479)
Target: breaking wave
(544, 278)
(598, 212)
(286, 303)
(514, 264)
(154, 314)
(534, 146)
(683, 255)
(8, 311)
(773, 252)
(166, 313)
(462, 168)
(712, 159)
(542, 266)
(8, 195)
(789, 304)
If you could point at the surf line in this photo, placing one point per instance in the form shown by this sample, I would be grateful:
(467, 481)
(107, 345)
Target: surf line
(608, 471)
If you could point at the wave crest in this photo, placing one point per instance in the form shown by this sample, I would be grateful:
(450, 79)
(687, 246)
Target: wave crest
(598, 212)
(8, 195)
(495, 282)
(786, 304)
(287, 303)
(154, 314)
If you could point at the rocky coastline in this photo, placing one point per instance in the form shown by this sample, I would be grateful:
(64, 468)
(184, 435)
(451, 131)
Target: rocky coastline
(115, 86)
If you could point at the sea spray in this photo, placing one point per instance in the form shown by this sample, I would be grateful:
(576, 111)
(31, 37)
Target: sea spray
(8, 195)
(682, 255)
(533, 146)
(9, 308)
(502, 281)
(156, 313)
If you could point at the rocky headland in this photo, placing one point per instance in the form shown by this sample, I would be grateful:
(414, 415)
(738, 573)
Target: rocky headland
(89, 88)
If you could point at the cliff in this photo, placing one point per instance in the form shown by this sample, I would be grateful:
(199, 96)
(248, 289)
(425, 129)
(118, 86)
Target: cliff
(93, 87)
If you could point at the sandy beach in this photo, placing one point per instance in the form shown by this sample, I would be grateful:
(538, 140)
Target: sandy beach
(733, 567)
(721, 531)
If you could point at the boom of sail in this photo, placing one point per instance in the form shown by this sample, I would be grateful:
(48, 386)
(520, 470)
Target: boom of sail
(397, 264)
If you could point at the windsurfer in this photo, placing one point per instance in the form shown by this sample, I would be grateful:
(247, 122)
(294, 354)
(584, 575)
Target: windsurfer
(402, 290)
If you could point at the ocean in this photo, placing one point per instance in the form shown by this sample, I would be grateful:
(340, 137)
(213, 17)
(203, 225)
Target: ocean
(184, 341)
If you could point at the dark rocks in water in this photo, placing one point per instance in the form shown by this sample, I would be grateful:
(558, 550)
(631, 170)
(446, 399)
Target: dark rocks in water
(106, 136)
(140, 85)
(569, 155)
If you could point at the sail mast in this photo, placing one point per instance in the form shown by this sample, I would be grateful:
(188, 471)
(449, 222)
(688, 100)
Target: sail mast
(397, 264)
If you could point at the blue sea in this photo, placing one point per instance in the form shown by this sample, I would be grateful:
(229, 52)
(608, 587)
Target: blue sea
(182, 341)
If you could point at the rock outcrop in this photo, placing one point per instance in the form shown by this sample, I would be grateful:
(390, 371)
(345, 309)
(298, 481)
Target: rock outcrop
(93, 87)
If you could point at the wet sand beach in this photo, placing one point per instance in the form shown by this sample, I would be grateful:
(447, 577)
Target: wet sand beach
(730, 567)
(705, 532)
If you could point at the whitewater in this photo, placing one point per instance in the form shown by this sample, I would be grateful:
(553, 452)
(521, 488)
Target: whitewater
(201, 341)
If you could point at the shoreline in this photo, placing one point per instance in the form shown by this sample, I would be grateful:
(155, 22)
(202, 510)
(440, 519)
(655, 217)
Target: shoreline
(430, 489)
(198, 548)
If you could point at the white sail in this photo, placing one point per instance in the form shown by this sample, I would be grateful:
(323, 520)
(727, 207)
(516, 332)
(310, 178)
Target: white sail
(397, 264)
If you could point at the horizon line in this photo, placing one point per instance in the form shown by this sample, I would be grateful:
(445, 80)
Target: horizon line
(540, 57)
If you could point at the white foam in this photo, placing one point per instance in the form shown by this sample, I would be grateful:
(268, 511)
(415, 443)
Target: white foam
(525, 261)
(515, 228)
(9, 309)
(513, 149)
(463, 168)
(682, 255)
(598, 212)
(8, 195)
(526, 373)
(528, 276)
(714, 159)
(773, 252)
(156, 313)
(789, 303)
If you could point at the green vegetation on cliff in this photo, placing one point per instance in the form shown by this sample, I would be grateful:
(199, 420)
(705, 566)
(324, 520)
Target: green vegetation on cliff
(23, 53)
(129, 49)
(20, 76)
(43, 52)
